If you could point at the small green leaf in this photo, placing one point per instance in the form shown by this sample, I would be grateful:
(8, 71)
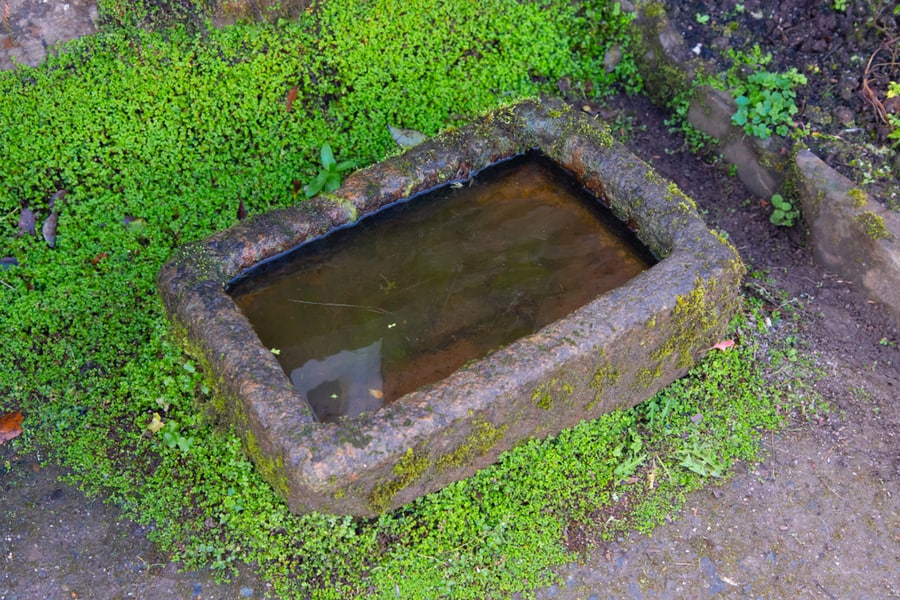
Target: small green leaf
(327, 156)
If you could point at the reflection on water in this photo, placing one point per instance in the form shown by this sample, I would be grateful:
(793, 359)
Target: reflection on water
(344, 384)
(406, 297)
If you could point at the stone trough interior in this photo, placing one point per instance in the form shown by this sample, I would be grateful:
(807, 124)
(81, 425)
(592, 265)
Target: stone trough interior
(405, 297)
(614, 349)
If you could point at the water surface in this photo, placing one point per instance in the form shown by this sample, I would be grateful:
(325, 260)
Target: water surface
(407, 296)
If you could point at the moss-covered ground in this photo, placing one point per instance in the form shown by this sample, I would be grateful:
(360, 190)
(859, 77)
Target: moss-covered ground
(145, 139)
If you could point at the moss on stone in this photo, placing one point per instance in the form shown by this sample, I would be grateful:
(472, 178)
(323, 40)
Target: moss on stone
(655, 10)
(224, 403)
(695, 314)
(484, 436)
(543, 395)
(674, 194)
(663, 80)
(645, 377)
(408, 469)
(347, 207)
(858, 196)
(272, 470)
(576, 126)
(349, 432)
(557, 113)
(873, 225)
(542, 398)
(605, 375)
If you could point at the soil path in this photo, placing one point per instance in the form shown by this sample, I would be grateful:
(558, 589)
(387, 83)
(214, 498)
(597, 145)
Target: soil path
(819, 519)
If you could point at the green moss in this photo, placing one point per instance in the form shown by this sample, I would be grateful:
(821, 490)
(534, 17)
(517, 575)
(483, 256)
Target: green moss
(542, 398)
(674, 194)
(873, 225)
(655, 10)
(646, 376)
(693, 319)
(349, 432)
(858, 196)
(407, 470)
(663, 80)
(484, 436)
(348, 208)
(579, 127)
(272, 470)
(605, 375)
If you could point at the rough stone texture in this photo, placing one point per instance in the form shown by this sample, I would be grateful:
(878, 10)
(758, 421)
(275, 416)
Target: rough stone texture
(663, 60)
(612, 353)
(34, 27)
(846, 230)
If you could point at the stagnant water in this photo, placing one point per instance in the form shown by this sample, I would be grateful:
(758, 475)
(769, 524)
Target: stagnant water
(407, 296)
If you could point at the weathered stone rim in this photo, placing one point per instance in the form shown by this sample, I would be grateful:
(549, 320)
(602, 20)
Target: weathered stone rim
(446, 431)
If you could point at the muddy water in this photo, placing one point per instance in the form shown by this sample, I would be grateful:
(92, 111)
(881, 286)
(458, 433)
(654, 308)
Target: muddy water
(407, 296)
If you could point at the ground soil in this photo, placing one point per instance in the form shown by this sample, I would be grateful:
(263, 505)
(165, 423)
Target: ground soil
(818, 518)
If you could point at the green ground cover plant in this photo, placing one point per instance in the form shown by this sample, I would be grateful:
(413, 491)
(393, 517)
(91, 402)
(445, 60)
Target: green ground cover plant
(151, 139)
(784, 213)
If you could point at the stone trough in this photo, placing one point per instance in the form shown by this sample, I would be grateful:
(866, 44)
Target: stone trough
(613, 352)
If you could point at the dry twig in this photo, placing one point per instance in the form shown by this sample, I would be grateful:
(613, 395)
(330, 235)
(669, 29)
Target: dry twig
(866, 91)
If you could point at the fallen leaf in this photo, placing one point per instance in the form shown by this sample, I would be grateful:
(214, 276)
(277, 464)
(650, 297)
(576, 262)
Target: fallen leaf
(376, 393)
(26, 222)
(242, 210)
(100, 256)
(723, 345)
(10, 426)
(155, 424)
(291, 96)
(406, 138)
(612, 58)
(134, 223)
(49, 229)
(59, 195)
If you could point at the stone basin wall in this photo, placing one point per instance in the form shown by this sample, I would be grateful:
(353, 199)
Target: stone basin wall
(853, 235)
(612, 353)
